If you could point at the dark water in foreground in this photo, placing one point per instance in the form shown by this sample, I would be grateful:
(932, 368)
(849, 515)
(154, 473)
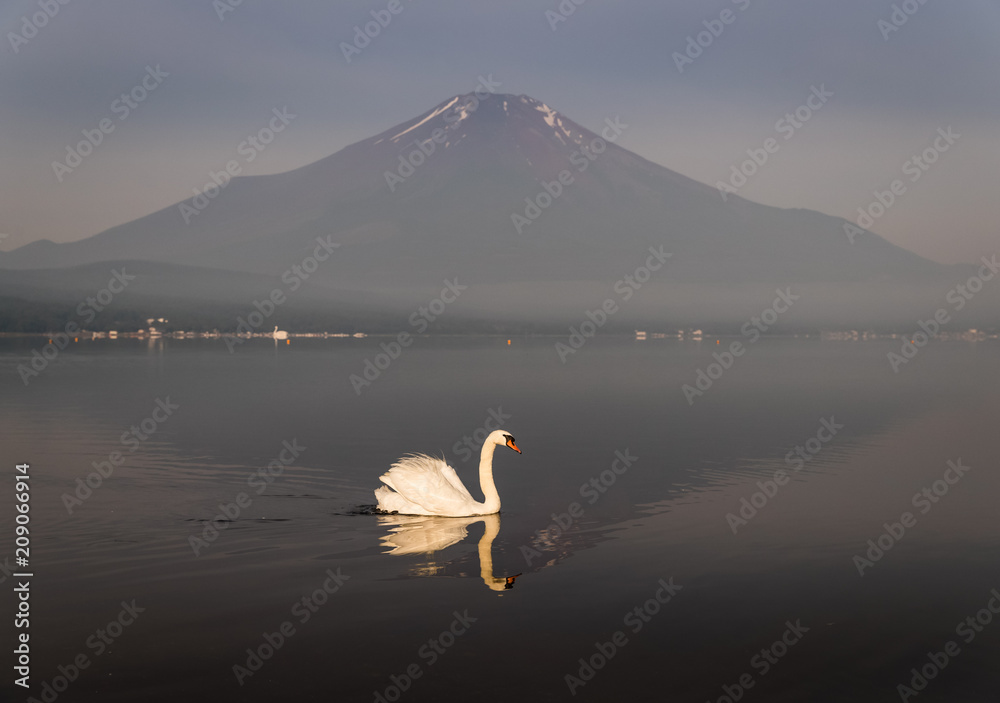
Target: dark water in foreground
(854, 638)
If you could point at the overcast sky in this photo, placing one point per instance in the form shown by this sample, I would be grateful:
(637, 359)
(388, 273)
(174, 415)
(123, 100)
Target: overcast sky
(892, 91)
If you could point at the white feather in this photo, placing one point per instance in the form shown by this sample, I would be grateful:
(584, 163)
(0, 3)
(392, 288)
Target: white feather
(419, 484)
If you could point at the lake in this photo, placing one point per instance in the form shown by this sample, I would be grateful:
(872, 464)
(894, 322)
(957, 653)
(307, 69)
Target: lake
(814, 526)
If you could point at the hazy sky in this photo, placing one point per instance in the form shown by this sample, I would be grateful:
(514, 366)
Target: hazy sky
(892, 90)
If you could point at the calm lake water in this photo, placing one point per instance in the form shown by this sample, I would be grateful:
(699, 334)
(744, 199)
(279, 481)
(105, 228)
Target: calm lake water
(440, 624)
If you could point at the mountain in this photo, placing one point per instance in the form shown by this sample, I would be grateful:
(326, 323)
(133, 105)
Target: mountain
(471, 190)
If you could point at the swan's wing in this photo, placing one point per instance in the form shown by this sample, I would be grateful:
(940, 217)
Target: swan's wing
(429, 482)
(452, 477)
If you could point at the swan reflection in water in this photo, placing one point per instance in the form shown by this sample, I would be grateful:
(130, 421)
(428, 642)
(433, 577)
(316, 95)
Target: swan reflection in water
(420, 534)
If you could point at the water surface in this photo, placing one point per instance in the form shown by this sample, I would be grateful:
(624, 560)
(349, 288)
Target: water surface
(663, 517)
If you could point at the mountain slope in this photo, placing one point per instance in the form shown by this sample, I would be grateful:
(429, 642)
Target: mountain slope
(471, 189)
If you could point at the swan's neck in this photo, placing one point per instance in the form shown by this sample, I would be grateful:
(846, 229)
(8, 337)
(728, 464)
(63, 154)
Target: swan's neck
(491, 499)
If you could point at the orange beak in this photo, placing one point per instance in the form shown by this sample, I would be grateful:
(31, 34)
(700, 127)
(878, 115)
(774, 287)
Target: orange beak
(510, 443)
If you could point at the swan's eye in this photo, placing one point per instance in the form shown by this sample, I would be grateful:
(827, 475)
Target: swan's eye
(508, 438)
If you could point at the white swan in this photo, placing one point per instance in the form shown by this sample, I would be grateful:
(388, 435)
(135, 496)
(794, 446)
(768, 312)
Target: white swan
(424, 485)
(279, 334)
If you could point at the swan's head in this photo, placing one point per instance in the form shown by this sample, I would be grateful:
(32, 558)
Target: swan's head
(503, 437)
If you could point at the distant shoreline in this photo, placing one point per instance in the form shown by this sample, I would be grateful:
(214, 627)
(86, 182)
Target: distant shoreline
(971, 334)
